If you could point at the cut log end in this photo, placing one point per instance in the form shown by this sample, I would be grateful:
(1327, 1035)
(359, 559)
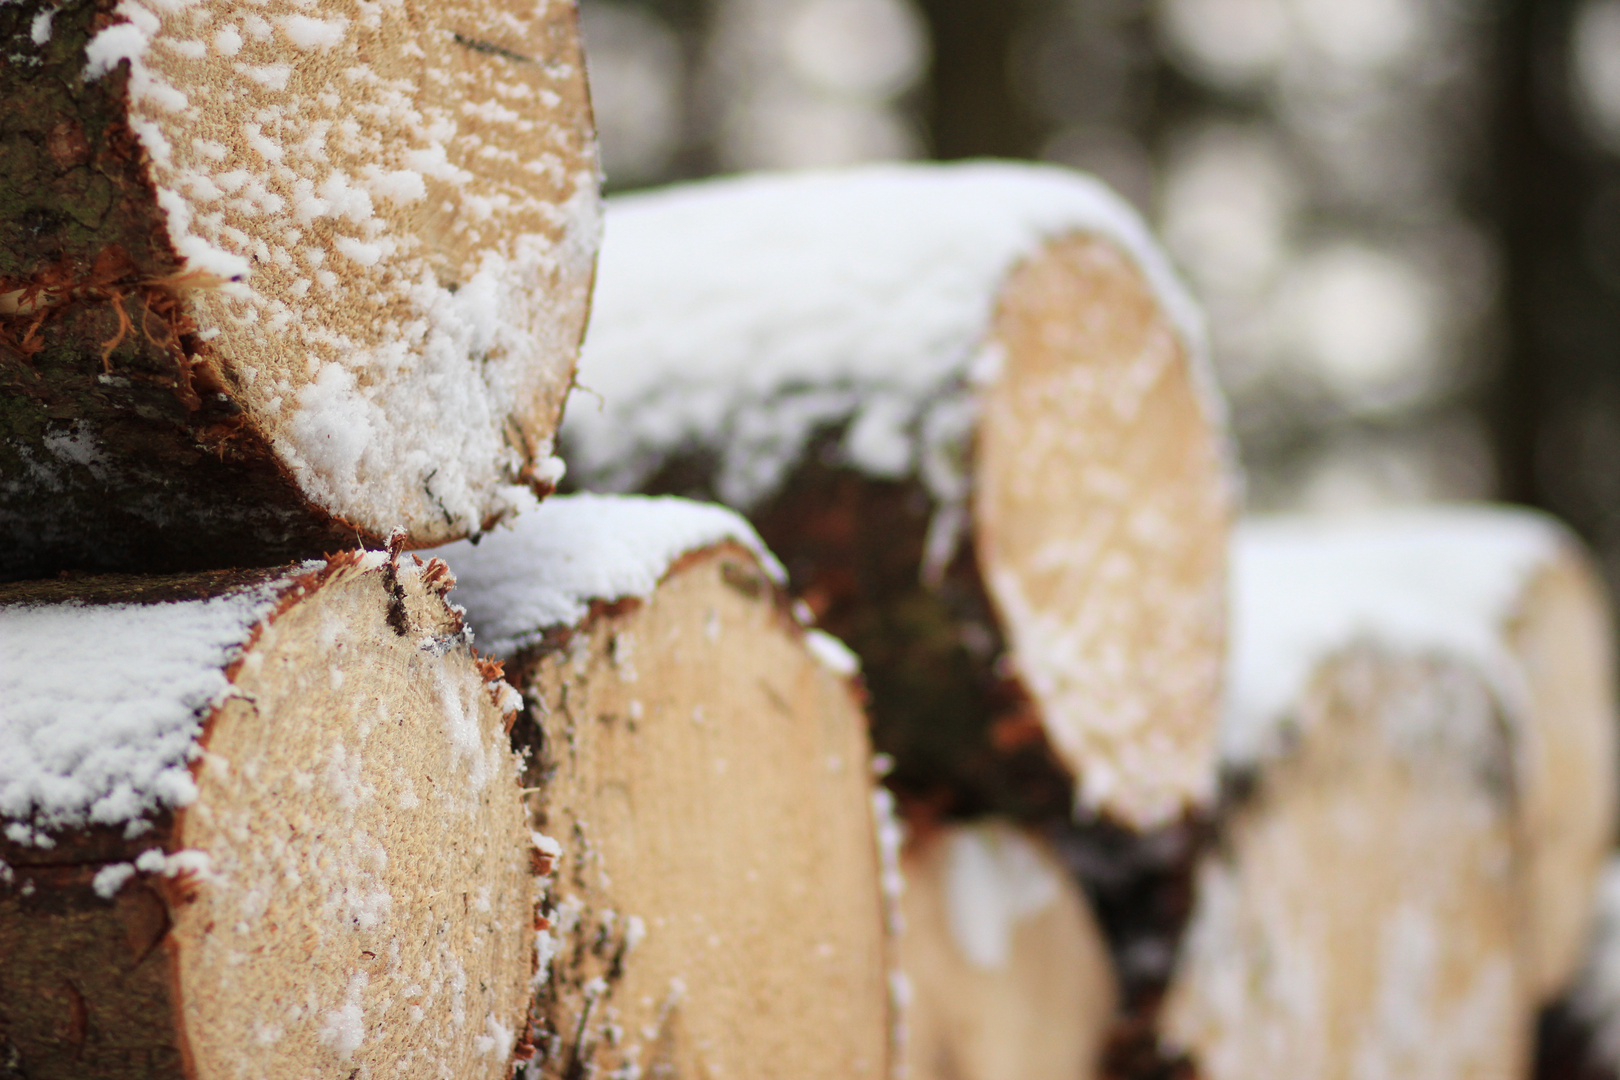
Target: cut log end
(1101, 500)
(1009, 973)
(248, 269)
(1561, 635)
(1365, 910)
(348, 889)
(715, 908)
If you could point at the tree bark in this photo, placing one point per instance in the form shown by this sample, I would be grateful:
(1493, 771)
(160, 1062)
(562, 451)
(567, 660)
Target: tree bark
(335, 876)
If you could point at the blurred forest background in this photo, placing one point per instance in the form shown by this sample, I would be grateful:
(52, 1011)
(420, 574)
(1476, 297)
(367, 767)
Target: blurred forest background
(1403, 216)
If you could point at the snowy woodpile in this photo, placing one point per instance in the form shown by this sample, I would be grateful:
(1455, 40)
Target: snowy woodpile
(259, 823)
(1422, 717)
(701, 764)
(280, 279)
(275, 277)
(968, 407)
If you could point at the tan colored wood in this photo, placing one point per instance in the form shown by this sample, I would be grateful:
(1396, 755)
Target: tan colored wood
(1010, 978)
(1364, 915)
(716, 903)
(351, 893)
(1563, 639)
(315, 271)
(1100, 510)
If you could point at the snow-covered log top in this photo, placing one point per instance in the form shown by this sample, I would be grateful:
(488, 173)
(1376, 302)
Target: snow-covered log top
(743, 313)
(1442, 580)
(101, 704)
(547, 567)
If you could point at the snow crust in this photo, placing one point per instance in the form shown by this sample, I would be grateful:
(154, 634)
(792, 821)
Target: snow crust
(1443, 579)
(101, 705)
(994, 878)
(742, 314)
(546, 567)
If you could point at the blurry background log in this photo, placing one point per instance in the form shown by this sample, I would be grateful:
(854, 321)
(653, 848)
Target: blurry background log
(701, 763)
(968, 407)
(1009, 974)
(1422, 725)
(1580, 1036)
(271, 278)
(261, 822)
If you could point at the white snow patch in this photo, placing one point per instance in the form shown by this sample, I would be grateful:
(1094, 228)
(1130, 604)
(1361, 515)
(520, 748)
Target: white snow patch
(546, 567)
(742, 314)
(39, 31)
(345, 1029)
(100, 705)
(1442, 579)
(994, 879)
(109, 879)
(834, 655)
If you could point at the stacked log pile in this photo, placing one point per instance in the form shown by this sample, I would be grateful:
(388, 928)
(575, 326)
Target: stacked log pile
(969, 409)
(1423, 734)
(279, 281)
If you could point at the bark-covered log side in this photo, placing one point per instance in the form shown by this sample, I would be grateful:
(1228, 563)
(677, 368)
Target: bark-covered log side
(122, 443)
(106, 1009)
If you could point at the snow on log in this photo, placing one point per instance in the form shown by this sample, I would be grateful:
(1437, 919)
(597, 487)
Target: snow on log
(700, 768)
(273, 276)
(260, 824)
(1422, 717)
(1009, 975)
(969, 408)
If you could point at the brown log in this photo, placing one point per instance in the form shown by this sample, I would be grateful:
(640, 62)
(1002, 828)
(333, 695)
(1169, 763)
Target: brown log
(1407, 874)
(716, 906)
(272, 278)
(259, 824)
(967, 407)
(1009, 975)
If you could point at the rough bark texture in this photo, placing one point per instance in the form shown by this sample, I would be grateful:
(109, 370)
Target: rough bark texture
(716, 907)
(144, 418)
(356, 841)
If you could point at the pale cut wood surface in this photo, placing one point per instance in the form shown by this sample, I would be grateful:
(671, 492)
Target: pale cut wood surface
(716, 903)
(1364, 914)
(1037, 1011)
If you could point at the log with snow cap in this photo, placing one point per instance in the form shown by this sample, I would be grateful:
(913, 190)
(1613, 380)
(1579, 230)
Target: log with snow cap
(1422, 714)
(700, 762)
(272, 277)
(265, 821)
(1008, 971)
(968, 406)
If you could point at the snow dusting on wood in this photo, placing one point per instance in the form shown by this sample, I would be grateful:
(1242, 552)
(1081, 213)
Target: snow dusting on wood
(1440, 580)
(742, 314)
(101, 705)
(386, 215)
(552, 562)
